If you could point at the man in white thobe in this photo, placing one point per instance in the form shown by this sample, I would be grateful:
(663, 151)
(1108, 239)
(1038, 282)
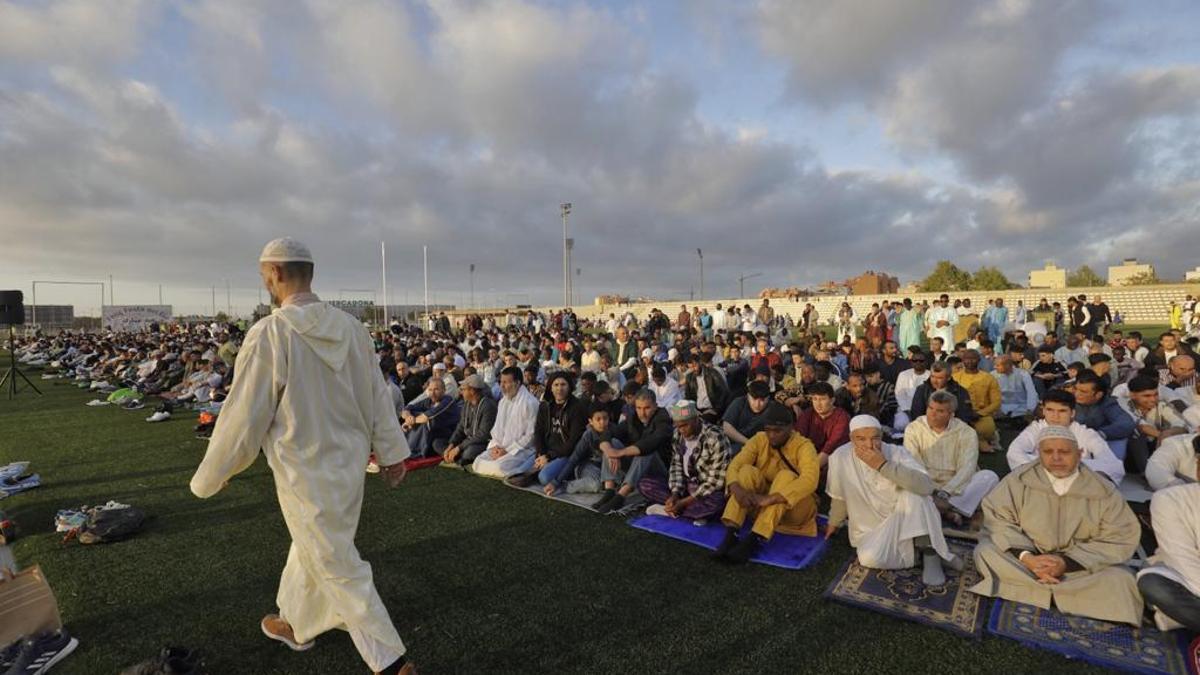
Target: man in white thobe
(1058, 409)
(885, 493)
(949, 449)
(1171, 582)
(1174, 463)
(310, 394)
(510, 451)
(941, 320)
(906, 387)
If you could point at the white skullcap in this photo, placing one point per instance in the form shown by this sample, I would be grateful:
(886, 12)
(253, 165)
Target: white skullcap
(1054, 431)
(864, 422)
(285, 249)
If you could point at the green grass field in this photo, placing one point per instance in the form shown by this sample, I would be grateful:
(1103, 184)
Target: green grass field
(478, 577)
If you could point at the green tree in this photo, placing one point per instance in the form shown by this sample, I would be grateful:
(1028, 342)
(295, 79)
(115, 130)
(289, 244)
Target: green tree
(1143, 279)
(988, 278)
(946, 276)
(1084, 277)
(221, 317)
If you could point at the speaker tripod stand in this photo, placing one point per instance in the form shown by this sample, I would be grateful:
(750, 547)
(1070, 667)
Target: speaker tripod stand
(9, 381)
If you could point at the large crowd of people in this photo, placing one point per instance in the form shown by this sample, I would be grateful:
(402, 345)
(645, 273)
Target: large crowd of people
(753, 418)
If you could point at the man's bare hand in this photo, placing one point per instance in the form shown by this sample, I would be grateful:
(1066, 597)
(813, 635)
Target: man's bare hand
(394, 474)
(451, 453)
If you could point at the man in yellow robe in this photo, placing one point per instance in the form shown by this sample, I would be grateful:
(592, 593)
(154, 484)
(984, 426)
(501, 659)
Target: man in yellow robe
(985, 397)
(310, 394)
(774, 477)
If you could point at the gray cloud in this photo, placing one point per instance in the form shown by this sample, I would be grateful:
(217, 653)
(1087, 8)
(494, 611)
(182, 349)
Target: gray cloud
(463, 125)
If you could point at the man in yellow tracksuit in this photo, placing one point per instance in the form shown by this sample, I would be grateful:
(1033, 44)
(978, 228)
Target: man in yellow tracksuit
(774, 477)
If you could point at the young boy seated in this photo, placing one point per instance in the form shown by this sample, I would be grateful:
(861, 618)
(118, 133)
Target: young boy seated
(581, 473)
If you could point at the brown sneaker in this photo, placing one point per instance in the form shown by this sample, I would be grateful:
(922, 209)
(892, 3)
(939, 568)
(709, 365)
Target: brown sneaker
(278, 629)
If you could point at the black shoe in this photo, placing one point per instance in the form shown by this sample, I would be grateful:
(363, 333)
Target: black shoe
(170, 661)
(613, 503)
(523, 480)
(727, 543)
(40, 654)
(604, 497)
(745, 549)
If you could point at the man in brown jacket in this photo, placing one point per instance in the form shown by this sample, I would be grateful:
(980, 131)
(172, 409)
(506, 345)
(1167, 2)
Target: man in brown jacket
(1055, 531)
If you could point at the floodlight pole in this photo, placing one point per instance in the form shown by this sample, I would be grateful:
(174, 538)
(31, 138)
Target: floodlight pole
(565, 208)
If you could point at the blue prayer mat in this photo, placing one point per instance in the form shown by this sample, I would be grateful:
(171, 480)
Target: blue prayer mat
(902, 594)
(1112, 645)
(783, 550)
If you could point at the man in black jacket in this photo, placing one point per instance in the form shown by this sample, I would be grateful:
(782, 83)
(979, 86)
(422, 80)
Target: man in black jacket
(700, 372)
(474, 430)
(560, 423)
(646, 436)
(939, 378)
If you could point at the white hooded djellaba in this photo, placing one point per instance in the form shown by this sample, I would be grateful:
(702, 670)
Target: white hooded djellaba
(309, 393)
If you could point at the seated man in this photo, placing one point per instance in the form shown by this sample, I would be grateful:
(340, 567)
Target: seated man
(666, 388)
(428, 423)
(1055, 532)
(884, 392)
(1018, 395)
(1174, 463)
(949, 449)
(510, 450)
(906, 387)
(1095, 409)
(856, 398)
(773, 479)
(1156, 421)
(1058, 410)
(695, 484)
(823, 423)
(1171, 583)
(470, 437)
(1180, 377)
(744, 416)
(646, 440)
(886, 494)
(705, 385)
(561, 420)
(1047, 373)
(984, 391)
(940, 378)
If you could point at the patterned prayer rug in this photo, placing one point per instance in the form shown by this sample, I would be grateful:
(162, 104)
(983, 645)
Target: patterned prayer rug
(1112, 645)
(902, 594)
(784, 550)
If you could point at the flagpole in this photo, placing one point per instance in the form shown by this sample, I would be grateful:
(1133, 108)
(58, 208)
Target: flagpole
(425, 260)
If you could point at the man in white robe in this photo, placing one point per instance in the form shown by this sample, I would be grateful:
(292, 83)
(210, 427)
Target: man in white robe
(949, 449)
(510, 451)
(1175, 463)
(310, 394)
(1058, 409)
(1171, 583)
(885, 493)
(906, 387)
(941, 320)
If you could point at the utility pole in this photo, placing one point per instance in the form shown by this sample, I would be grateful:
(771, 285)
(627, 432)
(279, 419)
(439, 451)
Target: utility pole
(228, 302)
(383, 256)
(425, 259)
(701, 254)
(110, 290)
(570, 281)
(566, 210)
(214, 301)
(578, 273)
(742, 283)
(160, 294)
(472, 275)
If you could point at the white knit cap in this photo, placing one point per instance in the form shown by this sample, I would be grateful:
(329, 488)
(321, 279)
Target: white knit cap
(285, 249)
(1054, 431)
(864, 422)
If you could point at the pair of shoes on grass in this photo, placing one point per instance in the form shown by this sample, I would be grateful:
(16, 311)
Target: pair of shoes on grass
(37, 655)
(170, 661)
(610, 501)
(736, 550)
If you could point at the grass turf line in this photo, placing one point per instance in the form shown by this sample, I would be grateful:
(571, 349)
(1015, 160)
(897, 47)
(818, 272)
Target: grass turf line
(477, 577)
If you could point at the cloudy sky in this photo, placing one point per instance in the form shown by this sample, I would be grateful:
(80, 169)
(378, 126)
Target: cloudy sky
(165, 142)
